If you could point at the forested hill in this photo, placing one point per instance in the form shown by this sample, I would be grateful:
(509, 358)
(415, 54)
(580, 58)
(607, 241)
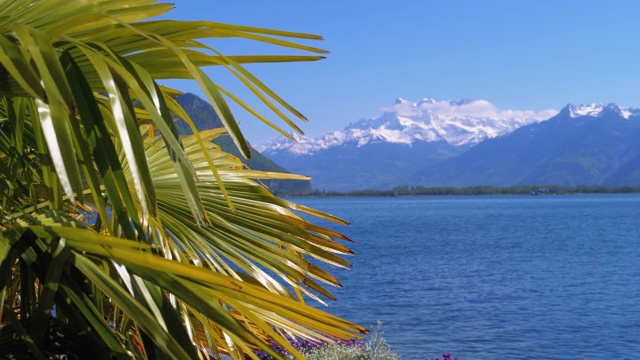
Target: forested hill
(204, 117)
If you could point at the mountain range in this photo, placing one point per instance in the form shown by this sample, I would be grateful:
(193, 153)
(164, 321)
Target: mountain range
(458, 123)
(471, 142)
(594, 144)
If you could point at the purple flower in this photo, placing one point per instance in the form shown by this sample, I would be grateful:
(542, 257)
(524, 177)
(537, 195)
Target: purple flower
(446, 356)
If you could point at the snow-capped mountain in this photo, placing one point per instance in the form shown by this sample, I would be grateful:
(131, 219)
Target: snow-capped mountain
(407, 136)
(471, 142)
(599, 110)
(459, 123)
(592, 144)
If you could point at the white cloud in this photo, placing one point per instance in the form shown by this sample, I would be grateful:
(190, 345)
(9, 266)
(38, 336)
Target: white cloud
(470, 108)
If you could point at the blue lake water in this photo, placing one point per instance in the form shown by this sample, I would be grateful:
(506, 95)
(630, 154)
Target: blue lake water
(508, 277)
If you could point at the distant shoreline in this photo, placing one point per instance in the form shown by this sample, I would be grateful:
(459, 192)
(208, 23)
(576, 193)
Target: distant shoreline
(530, 190)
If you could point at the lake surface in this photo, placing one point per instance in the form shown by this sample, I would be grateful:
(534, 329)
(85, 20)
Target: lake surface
(508, 277)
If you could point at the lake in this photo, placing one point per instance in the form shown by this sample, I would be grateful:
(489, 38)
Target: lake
(494, 277)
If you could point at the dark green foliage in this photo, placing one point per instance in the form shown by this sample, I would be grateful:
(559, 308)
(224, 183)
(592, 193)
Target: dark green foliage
(204, 118)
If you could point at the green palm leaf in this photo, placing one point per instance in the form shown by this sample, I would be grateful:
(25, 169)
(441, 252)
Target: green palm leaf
(120, 239)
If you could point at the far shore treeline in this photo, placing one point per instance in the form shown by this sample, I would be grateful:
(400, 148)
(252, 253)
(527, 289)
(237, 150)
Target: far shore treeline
(473, 190)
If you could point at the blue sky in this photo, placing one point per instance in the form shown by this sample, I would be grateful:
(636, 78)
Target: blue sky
(521, 55)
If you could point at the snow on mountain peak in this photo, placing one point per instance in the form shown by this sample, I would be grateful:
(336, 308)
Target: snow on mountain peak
(462, 122)
(585, 110)
(598, 109)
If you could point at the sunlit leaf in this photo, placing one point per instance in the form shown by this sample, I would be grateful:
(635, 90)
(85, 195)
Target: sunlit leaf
(120, 239)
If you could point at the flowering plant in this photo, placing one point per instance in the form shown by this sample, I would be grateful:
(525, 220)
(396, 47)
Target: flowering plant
(445, 356)
(376, 348)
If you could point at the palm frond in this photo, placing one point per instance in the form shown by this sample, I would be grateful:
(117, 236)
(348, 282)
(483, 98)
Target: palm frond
(120, 239)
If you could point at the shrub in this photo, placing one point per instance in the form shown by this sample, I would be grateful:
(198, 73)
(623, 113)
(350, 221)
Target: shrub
(376, 348)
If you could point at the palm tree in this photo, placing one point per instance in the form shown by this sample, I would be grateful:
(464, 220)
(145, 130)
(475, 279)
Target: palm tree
(119, 239)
